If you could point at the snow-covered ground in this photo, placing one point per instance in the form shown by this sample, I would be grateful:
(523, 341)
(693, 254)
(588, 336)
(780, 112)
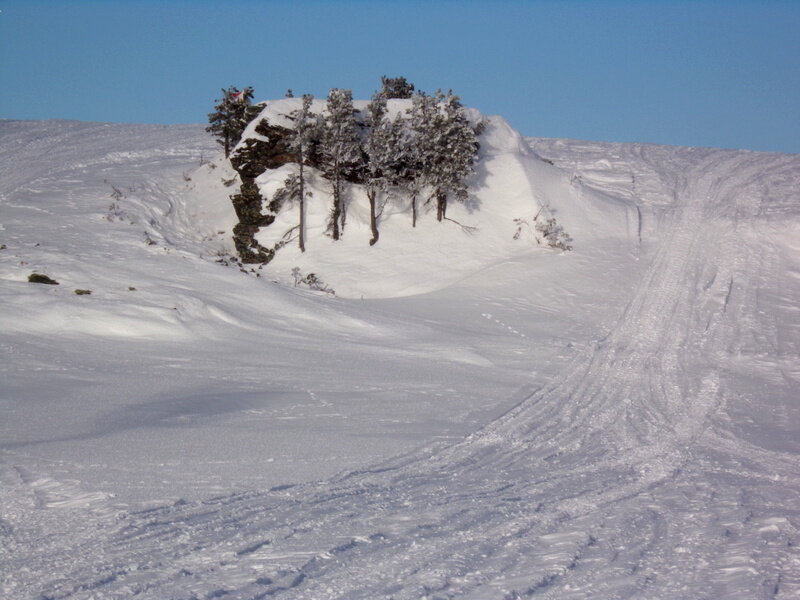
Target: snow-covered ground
(620, 421)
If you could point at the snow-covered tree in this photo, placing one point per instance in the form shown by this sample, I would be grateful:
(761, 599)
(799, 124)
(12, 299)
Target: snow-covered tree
(445, 147)
(304, 135)
(386, 150)
(422, 147)
(457, 149)
(376, 150)
(231, 115)
(396, 87)
(341, 151)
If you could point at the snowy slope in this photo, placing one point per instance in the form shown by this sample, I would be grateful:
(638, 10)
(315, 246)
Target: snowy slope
(620, 421)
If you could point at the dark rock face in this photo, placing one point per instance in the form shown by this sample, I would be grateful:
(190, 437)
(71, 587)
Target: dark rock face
(250, 251)
(258, 155)
(247, 204)
(250, 161)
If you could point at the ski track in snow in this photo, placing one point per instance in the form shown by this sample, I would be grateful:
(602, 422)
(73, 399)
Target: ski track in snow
(626, 476)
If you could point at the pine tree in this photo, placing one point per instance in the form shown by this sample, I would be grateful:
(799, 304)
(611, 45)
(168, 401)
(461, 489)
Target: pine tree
(445, 146)
(422, 149)
(230, 117)
(341, 151)
(302, 140)
(386, 155)
(458, 146)
(410, 167)
(376, 150)
(396, 87)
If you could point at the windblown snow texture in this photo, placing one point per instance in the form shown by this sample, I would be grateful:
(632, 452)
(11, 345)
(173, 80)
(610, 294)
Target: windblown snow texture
(621, 421)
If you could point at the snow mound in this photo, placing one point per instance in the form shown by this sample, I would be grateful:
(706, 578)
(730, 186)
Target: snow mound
(512, 189)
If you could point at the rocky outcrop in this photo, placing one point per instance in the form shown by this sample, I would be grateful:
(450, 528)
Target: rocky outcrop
(269, 151)
(247, 204)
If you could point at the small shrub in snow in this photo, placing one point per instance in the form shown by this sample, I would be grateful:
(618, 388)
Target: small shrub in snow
(83, 292)
(547, 230)
(114, 209)
(554, 234)
(297, 276)
(39, 278)
(116, 193)
(311, 281)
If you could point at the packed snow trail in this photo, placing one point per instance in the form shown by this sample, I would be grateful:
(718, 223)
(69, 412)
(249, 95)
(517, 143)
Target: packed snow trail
(627, 476)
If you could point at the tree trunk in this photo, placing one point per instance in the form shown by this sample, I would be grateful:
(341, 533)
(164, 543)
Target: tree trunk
(336, 207)
(302, 227)
(373, 220)
(342, 212)
(441, 205)
(414, 209)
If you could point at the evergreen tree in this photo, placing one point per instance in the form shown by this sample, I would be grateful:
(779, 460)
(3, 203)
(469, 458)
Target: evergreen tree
(396, 87)
(422, 149)
(381, 150)
(230, 117)
(376, 150)
(341, 151)
(302, 140)
(445, 147)
(458, 148)
(387, 154)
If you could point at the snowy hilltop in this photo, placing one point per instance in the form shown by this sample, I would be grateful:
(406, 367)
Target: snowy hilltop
(426, 189)
(472, 415)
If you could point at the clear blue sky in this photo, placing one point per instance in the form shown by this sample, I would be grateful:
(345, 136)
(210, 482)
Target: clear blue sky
(724, 73)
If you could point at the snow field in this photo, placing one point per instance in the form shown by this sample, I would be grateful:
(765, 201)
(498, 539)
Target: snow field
(615, 422)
